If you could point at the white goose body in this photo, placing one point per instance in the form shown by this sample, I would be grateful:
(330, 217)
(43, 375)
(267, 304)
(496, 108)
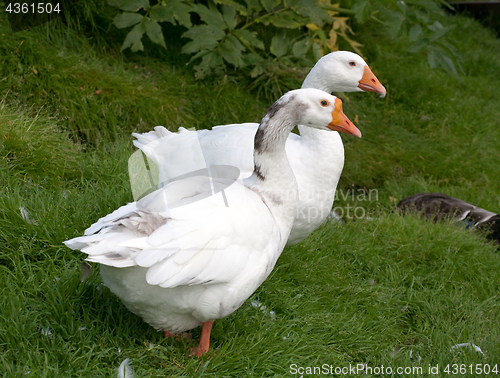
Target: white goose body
(316, 156)
(210, 267)
(183, 256)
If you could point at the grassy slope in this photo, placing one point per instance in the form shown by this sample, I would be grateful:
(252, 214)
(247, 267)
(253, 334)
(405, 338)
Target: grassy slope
(351, 293)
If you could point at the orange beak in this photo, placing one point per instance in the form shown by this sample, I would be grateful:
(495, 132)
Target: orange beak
(370, 83)
(341, 123)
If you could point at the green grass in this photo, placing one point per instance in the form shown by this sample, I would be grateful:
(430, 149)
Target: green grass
(366, 291)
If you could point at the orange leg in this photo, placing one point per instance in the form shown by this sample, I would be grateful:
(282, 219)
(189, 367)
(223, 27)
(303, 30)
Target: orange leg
(177, 336)
(169, 334)
(204, 340)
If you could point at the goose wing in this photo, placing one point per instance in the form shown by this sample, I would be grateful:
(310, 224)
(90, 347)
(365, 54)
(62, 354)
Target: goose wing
(223, 145)
(186, 235)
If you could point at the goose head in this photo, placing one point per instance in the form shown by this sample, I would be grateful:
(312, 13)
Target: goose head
(315, 108)
(343, 71)
(308, 107)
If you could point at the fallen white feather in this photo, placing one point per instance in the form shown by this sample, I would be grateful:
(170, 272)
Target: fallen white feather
(334, 217)
(470, 345)
(27, 216)
(125, 370)
(263, 308)
(417, 356)
(47, 332)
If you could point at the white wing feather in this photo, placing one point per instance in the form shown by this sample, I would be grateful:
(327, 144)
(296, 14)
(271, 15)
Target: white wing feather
(223, 145)
(192, 244)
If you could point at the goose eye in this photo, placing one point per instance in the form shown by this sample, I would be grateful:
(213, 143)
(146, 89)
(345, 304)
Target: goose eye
(352, 63)
(324, 103)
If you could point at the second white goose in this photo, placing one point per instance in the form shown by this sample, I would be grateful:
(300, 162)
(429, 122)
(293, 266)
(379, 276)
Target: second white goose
(316, 156)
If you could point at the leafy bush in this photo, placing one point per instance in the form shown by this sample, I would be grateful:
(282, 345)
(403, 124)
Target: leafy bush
(275, 42)
(271, 37)
(416, 22)
(267, 38)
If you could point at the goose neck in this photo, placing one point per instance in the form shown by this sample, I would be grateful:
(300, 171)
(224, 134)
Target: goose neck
(270, 160)
(273, 179)
(316, 79)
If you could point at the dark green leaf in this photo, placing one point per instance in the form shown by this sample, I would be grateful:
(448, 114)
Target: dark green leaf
(452, 49)
(443, 58)
(240, 8)
(162, 13)
(313, 12)
(269, 5)
(209, 62)
(126, 19)
(230, 49)
(436, 25)
(286, 19)
(422, 16)
(300, 48)
(321, 34)
(432, 58)
(204, 37)
(253, 6)
(199, 54)
(252, 59)
(249, 38)
(210, 14)
(129, 5)
(199, 45)
(287, 62)
(317, 52)
(394, 23)
(448, 65)
(172, 10)
(362, 10)
(229, 15)
(279, 45)
(182, 12)
(201, 31)
(419, 45)
(440, 33)
(415, 32)
(402, 7)
(430, 5)
(153, 30)
(257, 71)
(133, 39)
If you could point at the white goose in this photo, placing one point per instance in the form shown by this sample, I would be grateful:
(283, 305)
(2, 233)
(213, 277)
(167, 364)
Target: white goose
(316, 156)
(182, 256)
